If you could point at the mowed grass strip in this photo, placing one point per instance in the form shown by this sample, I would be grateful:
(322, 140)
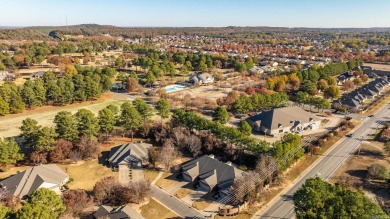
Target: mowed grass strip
(154, 210)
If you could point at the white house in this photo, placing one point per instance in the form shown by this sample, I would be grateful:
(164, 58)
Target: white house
(201, 78)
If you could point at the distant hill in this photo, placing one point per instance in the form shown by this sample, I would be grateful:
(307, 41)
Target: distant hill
(42, 32)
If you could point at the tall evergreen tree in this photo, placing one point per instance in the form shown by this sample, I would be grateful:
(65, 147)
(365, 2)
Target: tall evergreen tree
(87, 123)
(130, 118)
(66, 126)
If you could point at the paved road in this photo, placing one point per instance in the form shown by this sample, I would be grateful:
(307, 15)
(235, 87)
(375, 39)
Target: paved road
(179, 207)
(282, 207)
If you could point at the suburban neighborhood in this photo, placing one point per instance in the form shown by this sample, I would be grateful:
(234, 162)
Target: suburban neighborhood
(195, 120)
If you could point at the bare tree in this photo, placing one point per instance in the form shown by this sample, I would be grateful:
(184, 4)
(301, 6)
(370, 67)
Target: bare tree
(194, 144)
(88, 147)
(179, 134)
(168, 154)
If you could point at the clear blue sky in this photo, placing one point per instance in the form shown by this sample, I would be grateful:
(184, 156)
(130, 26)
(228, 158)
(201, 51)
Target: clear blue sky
(179, 13)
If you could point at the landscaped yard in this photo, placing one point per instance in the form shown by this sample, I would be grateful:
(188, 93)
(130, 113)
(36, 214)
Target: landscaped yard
(11, 170)
(183, 192)
(166, 180)
(201, 204)
(86, 174)
(154, 210)
(240, 216)
(150, 174)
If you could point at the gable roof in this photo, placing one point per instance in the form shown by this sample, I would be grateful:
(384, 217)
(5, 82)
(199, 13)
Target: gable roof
(120, 212)
(24, 183)
(128, 153)
(213, 171)
(282, 117)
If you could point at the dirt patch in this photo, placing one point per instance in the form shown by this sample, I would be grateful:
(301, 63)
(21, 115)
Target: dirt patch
(353, 173)
(382, 67)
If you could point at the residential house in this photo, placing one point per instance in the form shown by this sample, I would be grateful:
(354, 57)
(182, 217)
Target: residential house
(210, 173)
(38, 74)
(129, 157)
(346, 76)
(284, 120)
(354, 100)
(256, 70)
(268, 68)
(263, 63)
(6, 76)
(201, 78)
(373, 73)
(22, 184)
(121, 212)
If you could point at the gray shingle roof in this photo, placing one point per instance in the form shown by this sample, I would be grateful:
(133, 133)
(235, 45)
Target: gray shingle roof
(24, 183)
(274, 118)
(128, 153)
(120, 212)
(215, 172)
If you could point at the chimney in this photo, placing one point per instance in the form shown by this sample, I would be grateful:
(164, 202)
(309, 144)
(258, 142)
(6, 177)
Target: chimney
(229, 163)
(211, 156)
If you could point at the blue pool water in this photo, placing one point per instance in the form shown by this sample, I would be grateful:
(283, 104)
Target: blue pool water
(174, 88)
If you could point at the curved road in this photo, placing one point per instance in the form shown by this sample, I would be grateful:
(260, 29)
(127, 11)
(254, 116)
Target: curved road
(325, 167)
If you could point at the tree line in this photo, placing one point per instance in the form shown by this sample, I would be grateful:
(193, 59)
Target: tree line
(76, 136)
(78, 84)
(259, 102)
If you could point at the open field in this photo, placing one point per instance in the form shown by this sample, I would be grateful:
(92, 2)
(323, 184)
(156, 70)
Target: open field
(354, 172)
(9, 124)
(382, 67)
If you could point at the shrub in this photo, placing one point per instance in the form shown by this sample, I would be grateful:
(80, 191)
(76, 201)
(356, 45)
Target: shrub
(378, 171)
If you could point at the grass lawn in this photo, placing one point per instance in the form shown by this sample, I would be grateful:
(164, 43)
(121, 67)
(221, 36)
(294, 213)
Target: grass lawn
(154, 210)
(201, 204)
(86, 174)
(183, 192)
(150, 174)
(204, 201)
(166, 180)
(11, 170)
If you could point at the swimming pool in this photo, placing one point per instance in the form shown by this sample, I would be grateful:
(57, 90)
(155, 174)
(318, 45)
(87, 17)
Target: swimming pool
(174, 88)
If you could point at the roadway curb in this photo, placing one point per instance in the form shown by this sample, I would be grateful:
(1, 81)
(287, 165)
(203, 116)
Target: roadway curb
(270, 203)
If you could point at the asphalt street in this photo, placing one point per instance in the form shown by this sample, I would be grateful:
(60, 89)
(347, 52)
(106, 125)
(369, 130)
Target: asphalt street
(173, 203)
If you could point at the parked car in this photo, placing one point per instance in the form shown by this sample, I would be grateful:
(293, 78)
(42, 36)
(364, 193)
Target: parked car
(371, 116)
(349, 135)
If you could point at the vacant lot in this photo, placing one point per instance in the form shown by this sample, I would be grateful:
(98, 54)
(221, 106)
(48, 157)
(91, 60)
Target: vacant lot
(382, 67)
(9, 124)
(354, 172)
